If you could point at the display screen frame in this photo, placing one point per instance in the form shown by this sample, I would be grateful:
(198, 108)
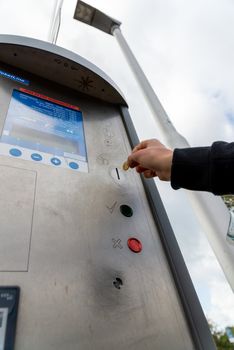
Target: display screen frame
(43, 129)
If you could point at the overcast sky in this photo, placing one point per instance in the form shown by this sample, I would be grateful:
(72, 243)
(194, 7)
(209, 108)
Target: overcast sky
(186, 50)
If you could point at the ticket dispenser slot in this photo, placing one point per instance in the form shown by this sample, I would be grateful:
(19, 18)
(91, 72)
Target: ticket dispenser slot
(79, 236)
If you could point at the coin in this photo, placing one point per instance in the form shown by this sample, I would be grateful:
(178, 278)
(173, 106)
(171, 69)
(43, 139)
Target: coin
(125, 166)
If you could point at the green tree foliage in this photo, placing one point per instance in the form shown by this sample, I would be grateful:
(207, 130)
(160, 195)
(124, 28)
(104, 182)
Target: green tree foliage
(229, 201)
(220, 338)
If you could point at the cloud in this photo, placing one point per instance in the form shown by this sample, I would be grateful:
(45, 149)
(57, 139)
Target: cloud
(185, 50)
(218, 303)
(26, 17)
(230, 116)
(222, 306)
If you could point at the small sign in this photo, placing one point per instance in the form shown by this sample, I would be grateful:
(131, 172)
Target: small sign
(14, 77)
(9, 300)
(230, 334)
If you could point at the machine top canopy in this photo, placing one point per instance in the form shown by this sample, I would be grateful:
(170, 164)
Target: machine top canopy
(59, 65)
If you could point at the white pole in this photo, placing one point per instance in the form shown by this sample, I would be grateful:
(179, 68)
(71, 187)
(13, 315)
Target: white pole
(170, 134)
(211, 210)
(55, 21)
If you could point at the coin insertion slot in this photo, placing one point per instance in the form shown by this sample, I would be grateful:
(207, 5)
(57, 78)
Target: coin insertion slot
(117, 173)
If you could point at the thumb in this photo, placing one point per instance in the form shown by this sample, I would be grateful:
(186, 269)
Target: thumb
(134, 159)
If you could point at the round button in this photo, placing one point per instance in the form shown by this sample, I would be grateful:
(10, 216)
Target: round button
(126, 210)
(73, 165)
(134, 245)
(55, 161)
(15, 152)
(36, 156)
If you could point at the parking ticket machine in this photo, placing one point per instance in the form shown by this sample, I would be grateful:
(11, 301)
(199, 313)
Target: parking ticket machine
(88, 259)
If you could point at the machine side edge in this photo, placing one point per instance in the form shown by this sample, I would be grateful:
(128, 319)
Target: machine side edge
(197, 322)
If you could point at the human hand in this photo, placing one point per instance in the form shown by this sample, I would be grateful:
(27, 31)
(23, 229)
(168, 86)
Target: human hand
(152, 158)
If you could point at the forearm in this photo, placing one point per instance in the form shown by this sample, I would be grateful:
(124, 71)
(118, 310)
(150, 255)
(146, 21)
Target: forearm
(204, 168)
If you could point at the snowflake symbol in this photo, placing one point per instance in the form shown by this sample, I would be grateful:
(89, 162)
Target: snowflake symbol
(85, 83)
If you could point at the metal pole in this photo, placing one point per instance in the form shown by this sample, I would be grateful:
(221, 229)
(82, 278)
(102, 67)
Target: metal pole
(211, 210)
(171, 135)
(55, 22)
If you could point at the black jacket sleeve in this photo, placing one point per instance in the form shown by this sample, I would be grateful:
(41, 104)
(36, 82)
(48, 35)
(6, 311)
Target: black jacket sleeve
(204, 168)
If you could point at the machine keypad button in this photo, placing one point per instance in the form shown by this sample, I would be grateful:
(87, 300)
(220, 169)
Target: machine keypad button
(15, 152)
(73, 165)
(36, 156)
(134, 245)
(55, 161)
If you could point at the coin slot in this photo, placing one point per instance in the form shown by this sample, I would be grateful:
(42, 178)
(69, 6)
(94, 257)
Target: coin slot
(117, 172)
(118, 176)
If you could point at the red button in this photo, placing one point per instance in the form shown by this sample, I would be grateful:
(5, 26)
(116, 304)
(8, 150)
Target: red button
(134, 245)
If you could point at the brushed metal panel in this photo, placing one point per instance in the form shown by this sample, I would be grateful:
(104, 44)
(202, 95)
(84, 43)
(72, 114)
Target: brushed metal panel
(17, 187)
(79, 248)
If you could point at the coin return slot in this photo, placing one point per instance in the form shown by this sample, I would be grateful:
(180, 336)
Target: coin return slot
(118, 283)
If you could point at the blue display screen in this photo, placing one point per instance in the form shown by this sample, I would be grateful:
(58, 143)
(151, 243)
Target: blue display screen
(43, 124)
